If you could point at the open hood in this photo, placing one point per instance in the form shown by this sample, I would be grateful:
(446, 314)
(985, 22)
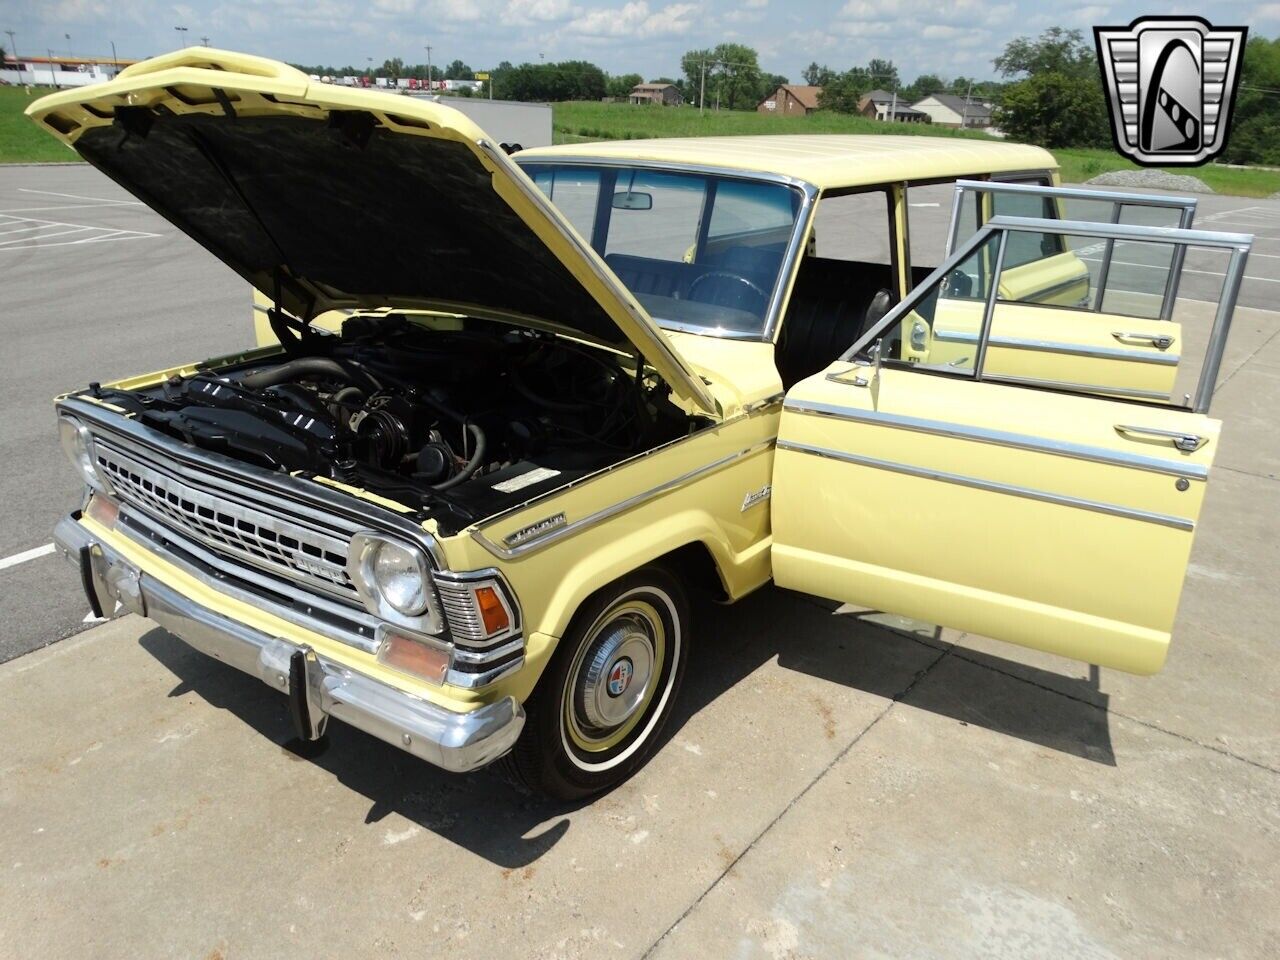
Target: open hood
(326, 197)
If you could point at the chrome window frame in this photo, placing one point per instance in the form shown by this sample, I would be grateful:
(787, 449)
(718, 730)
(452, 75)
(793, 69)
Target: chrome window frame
(790, 257)
(1239, 245)
(1118, 200)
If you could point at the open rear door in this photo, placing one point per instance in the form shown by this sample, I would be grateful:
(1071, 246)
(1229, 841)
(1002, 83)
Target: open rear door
(1041, 505)
(1124, 336)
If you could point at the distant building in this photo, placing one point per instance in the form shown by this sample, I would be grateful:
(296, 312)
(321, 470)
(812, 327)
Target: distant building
(791, 100)
(883, 105)
(60, 71)
(950, 110)
(666, 94)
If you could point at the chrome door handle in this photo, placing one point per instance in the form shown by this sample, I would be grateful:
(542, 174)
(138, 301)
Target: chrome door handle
(1158, 340)
(1187, 442)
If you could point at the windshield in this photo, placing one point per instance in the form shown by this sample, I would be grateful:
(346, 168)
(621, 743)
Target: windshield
(701, 253)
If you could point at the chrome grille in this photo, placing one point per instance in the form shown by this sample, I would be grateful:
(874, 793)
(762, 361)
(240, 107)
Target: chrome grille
(460, 609)
(302, 553)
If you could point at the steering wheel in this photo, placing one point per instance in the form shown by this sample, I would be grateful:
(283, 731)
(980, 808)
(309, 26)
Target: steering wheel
(726, 275)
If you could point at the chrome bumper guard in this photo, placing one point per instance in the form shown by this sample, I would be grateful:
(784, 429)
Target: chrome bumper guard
(457, 742)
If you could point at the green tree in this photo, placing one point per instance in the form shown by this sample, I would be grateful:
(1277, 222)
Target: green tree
(618, 87)
(393, 68)
(884, 74)
(458, 70)
(1254, 134)
(769, 82)
(732, 73)
(1058, 100)
(842, 91)
(817, 75)
(922, 86)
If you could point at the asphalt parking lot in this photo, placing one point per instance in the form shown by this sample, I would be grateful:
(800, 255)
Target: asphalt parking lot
(833, 785)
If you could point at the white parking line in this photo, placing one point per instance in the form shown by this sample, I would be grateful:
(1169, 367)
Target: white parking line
(33, 554)
(76, 196)
(36, 232)
(65, 206)
(45, 236)
(1165, 268)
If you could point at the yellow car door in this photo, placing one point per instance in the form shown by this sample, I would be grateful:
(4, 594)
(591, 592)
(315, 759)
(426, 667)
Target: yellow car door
(1058, 519)
(1124, 339)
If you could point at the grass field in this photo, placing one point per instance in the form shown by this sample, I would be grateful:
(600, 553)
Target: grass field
(21, 141)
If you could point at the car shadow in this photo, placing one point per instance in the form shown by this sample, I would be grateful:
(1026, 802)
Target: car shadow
(863, 650)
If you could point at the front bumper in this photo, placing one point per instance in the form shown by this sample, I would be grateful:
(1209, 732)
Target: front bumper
(458, 742)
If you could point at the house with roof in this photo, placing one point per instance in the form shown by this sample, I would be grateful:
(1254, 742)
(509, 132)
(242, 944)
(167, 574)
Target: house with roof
(952, 110)
(791, 100)
(664, 94)
(883, 105)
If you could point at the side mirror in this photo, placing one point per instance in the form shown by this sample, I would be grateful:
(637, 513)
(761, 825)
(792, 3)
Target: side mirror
(632, 200)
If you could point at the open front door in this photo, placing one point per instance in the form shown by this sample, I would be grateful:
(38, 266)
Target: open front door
(1054, 515)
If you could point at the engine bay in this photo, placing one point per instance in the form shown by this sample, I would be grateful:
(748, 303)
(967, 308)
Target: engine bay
(459, 424)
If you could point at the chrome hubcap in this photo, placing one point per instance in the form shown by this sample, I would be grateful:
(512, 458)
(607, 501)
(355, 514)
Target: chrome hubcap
(616, 673)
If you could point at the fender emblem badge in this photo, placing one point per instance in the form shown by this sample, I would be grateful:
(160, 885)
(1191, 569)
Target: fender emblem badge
(534, 530)
(756, 496)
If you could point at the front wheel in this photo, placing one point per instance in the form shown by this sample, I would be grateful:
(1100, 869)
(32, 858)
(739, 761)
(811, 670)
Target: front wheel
(608, 691)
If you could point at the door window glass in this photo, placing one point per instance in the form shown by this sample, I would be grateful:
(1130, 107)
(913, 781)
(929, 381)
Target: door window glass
(575, 192)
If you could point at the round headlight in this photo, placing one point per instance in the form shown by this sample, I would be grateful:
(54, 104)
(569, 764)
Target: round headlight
(400, 576)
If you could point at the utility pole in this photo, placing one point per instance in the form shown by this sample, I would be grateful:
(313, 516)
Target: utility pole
(204, 41)
(964, 114)
(182, 36)
(67, 37)
(702, 90)
(428, 66)
(115, 61)
(53, 74)
(13, 48)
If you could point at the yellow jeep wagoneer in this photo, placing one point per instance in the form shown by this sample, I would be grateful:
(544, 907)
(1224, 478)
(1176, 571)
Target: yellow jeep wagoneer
(506, 408)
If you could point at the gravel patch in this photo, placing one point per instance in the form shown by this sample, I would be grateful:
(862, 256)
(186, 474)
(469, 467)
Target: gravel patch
(1156, 179)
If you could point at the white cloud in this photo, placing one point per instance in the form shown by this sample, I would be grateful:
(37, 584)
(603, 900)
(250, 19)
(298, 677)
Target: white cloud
(539, 11)
(635, 20)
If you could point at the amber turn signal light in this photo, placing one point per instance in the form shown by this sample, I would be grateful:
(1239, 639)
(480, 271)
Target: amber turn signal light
(102, 510)
(492, 612)
(429, 663)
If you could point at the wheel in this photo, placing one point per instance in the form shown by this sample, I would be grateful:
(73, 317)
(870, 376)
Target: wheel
(598, 711)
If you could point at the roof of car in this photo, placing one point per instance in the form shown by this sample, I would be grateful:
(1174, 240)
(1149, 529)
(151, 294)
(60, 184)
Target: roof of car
(826, 161)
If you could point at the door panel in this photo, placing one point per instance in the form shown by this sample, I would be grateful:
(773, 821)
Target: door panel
(1021, 515)
(1083, 350)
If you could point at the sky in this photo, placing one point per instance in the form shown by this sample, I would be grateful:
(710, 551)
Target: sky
(949, 38)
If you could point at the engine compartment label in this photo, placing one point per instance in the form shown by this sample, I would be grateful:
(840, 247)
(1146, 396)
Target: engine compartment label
(512, 484)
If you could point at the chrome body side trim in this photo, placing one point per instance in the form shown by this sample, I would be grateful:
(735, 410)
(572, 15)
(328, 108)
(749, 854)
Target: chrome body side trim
(457, 742)
(1000, 438)
(790, 259)
(555, 534)
(1053, 346)
(991, 486)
